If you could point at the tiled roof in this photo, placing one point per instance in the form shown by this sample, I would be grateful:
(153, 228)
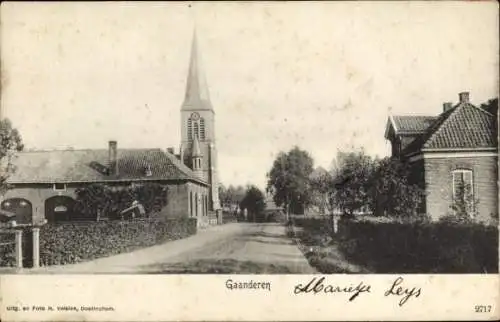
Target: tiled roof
(462, 127)
(412, 123)
(466, 127)
(65, 166)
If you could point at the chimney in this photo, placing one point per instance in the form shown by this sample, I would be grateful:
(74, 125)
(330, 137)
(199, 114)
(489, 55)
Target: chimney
(447, 106)
(170, 150)
(113, 165)
(463, 97)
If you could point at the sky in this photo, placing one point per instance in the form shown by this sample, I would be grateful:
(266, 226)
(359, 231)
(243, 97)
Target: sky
(319, 75)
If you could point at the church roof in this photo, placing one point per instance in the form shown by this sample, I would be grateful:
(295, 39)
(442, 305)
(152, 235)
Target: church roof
(67, 166)
(197, 96)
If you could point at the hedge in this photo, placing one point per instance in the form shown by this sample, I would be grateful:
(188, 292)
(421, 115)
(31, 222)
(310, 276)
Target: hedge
(73, 242)
(7, 249)
(420, 247)
(390, 247)
(111, 200)
(229, 217)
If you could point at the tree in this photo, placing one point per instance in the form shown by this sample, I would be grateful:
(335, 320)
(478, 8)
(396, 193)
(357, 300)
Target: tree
(96, 200)
(352, 175)
(10, 142)
(391, 192)
(321, 190)
(231, 196)
(491, 106)
(289, 180)
(253, 201)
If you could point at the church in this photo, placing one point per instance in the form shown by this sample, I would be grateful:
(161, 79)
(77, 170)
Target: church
(44, 183)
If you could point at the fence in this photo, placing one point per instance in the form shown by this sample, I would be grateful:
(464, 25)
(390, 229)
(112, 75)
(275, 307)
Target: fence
(20, 247)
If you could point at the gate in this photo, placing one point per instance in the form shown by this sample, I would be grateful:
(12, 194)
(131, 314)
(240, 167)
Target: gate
(11, 247)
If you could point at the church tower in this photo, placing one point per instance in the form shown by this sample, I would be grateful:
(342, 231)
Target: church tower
(198, 149)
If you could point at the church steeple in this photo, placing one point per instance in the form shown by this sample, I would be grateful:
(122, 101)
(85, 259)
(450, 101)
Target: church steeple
(198, 146)
(197, 96)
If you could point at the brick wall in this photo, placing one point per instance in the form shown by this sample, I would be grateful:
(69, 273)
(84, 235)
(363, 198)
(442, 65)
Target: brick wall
(438, 179)
(177, 201)
(37, 194)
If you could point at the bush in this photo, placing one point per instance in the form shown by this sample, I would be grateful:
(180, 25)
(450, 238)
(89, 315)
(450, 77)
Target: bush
(229, 217)
(103, 199)
(441, 247)
(65, 243)
(7, 249)
(391, 192)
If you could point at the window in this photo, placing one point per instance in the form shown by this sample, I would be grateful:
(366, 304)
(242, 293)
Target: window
(202, 205)
(59, 186)
(463, 191)
(196, 204)
(191, 204)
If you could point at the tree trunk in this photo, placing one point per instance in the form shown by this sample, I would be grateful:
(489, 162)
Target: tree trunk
(335, 224)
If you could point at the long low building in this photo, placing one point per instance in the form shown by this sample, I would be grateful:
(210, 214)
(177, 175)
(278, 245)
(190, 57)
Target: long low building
(43, 184)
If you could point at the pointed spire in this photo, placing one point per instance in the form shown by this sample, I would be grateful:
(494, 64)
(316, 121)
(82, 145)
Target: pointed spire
(195, 151)
(197, 96)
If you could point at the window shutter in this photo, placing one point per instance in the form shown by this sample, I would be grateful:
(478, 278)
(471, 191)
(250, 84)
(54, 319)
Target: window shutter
(190, 129)
(202, 128)
(196, 130)
(468, 192)
(468, 181)
(457, 185)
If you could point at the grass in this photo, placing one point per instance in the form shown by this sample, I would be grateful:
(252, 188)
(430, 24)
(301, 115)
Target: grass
(216, 266)
(313, 237)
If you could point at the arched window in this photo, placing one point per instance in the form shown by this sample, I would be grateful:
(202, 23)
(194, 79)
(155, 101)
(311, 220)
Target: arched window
(196, 204)
(191, 204)
(202, 205)
(202, 128)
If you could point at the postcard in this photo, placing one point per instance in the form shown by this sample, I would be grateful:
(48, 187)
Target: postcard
(249, 161)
